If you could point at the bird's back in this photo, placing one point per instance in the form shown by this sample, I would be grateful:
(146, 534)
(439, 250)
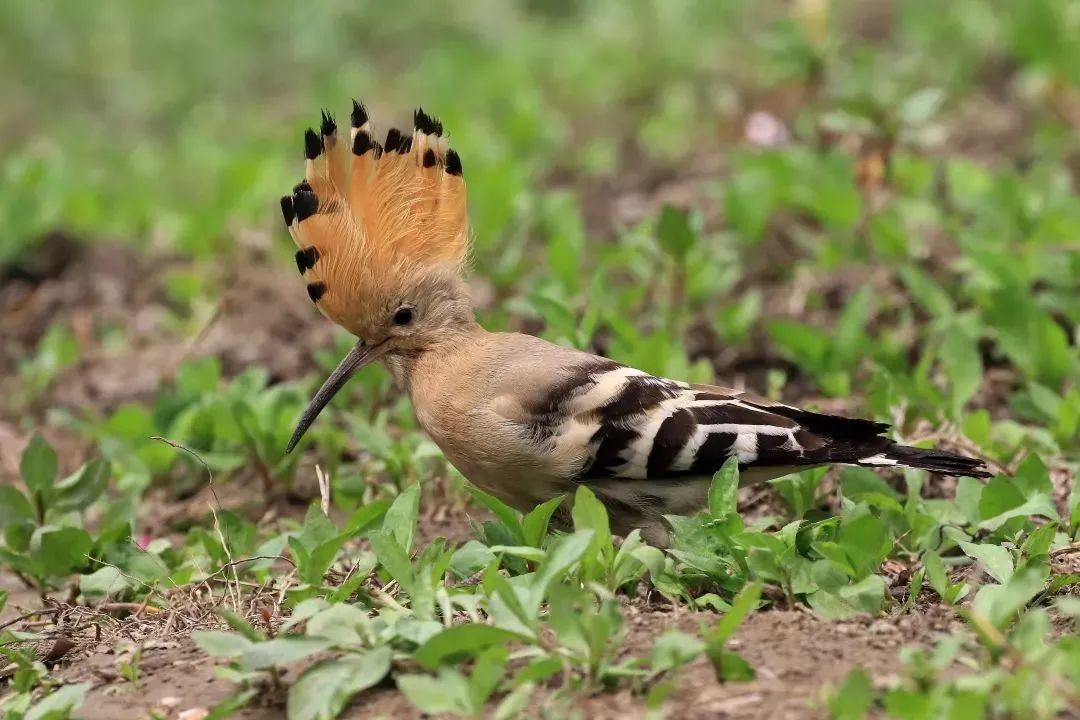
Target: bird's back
(526, 420)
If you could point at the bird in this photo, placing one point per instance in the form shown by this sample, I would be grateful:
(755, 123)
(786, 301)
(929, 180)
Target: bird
(383, 242)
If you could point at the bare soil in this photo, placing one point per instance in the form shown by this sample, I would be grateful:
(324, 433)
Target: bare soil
(796, 655)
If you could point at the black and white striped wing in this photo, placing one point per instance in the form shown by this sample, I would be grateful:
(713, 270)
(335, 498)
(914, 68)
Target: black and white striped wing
(637, 426)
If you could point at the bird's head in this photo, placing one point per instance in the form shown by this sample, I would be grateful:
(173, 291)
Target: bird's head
(383, 239)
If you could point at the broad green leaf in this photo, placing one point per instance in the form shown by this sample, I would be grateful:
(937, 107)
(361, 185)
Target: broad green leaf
(324, 689)
(447, 693)
(674, 649)
(237, 622)
(743, 604)
(460, 641)
(1039, 541)
(400, 519)
(675, 232)
(994, 559)
(724, 489)
(963, 365)
(849, 333)
(525, 552)
(487, 673)
(998, 496)
(393, 558)
(59, 551)
(507, 515)
(590, 514)
(319, 560)
(365, 517)
(103, 582)
(535, 524)
(920, 106)
(731, 667)
(60, 703)
(281, 651)
(1036, 505)
(864, 597)
(1032, 478)
(39, 467)
(83, 487)
(470, 558)
(221, 644)
(853, 698)
(14, 507)
(1000, 603)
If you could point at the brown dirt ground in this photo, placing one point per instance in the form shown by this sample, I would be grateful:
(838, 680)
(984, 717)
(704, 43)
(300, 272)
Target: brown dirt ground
(796, 655)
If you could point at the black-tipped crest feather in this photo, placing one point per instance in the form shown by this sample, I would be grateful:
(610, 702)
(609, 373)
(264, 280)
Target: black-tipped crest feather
(328, 127)
(306, 204)
(453, 163)
(359, 114)
(313, 144)
(287, 210)
(361, 143)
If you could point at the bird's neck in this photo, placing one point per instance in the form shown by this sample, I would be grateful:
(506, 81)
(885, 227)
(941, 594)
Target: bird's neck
(453, 340)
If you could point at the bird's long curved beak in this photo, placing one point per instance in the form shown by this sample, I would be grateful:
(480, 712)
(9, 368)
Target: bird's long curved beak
(358, 357)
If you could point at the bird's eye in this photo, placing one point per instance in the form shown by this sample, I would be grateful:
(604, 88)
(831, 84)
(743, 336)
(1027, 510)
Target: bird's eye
(404, 316)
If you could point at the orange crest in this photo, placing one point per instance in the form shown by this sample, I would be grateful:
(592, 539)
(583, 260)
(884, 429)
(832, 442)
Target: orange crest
(370, 227)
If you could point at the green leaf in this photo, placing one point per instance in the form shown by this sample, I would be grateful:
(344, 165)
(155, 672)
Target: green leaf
(103, 582)
(1000, 603)
(221, 644)
(14, 507)
(447, 693)
(864, 597)
(1032, 478)
(920, 106)
(470, 558)
(561, 557)
(1039, 541)
(83, 487)
(724, 489)
(994, 559)
(731, 667)
(365, 517)
(849, 333)
(281, 651)
(400, 519)
(59, 551)
(240, 625)
(393, 558)
(853, 698)
(1036, 505)
(60, 703)
(507, 515)
(324, 689)
(460, 641)
(39, 467)
(743, 604)
(535, 524)
(998, 496)
(960, 357)
(674, 649)
(675, 232)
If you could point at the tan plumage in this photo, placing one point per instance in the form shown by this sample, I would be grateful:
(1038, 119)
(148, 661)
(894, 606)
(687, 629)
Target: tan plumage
(384, 247)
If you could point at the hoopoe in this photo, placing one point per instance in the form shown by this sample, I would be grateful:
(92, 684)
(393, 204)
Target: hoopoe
(383, 239)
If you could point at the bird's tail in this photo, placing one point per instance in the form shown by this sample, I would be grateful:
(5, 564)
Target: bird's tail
(936, 461)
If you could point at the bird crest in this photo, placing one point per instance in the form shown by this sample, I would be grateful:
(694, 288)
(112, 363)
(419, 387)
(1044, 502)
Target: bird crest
(373, 220)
